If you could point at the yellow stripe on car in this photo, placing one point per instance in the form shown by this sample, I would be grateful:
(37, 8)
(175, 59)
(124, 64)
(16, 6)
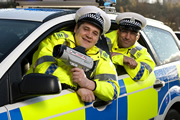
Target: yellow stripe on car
(142, 98)
(55, 106)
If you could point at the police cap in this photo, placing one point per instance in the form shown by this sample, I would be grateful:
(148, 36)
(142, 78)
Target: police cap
(131, 21)
(94, 15)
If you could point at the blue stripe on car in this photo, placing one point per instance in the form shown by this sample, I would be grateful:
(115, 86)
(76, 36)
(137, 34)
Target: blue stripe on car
(122, 110)
(16, 114)
(3, 116)
(109, 113)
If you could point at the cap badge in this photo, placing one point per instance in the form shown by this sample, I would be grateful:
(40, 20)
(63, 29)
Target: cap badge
(98, 15)
(132, 20)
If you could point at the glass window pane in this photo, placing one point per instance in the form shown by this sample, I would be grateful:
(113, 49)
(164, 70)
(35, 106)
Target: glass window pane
(12, 33)
(162, 42)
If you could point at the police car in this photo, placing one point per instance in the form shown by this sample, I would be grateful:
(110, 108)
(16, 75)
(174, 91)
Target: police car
(41, 97)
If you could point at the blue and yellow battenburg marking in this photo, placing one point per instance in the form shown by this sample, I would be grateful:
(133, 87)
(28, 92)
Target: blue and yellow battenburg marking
(170, 75)
(131, 93)
(136, 96)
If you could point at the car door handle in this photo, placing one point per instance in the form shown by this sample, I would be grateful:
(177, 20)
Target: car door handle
(158, 84)
(101, 105)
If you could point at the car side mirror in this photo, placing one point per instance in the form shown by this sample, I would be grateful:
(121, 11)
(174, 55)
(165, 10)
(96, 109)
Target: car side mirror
(36, 84)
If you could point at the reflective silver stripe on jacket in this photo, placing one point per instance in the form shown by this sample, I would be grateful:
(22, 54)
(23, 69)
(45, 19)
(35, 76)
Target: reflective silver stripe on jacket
(147, 66)
(109, 44)
(102, 77)
(44, 59)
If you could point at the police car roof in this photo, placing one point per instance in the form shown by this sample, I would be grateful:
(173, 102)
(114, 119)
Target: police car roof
(158, 24)
(31, 14)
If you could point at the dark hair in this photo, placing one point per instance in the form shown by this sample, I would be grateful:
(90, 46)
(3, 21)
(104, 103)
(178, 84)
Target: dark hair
(131, 28)
(79, 24)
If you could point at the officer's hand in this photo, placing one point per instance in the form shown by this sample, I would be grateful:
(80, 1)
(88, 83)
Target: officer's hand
(114, 53)
(130, 62)
(86, 94)
(79, 77)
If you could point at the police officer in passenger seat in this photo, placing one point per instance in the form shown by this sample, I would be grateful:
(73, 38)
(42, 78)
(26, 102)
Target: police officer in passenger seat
(124, 48)
(101, 81)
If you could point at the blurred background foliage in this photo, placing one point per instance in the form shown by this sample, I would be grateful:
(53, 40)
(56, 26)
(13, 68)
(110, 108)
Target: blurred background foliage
(168, 12)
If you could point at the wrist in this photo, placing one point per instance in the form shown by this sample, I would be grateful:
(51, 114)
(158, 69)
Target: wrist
(91, 85)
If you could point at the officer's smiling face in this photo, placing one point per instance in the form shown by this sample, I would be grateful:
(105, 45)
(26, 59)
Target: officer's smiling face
(127, 38)
(86, 35)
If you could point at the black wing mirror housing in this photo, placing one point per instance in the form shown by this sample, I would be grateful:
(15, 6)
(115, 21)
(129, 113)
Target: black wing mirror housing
(36, 84)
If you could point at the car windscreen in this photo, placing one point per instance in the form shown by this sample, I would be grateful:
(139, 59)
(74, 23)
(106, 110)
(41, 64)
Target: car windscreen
(163, 43)
(12, 33)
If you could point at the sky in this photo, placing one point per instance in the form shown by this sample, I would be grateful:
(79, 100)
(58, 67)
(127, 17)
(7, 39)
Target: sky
(152, 1)
(155, 1)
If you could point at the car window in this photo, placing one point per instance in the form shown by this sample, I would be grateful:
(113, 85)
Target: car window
(163, 43)
(12, 33)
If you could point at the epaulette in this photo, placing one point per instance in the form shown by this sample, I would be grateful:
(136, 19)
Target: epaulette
(60, 35)
(135, 52)
(104, 55)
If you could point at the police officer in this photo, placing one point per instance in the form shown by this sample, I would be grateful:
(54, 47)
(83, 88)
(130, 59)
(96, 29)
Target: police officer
(124, 48)
(101, 81)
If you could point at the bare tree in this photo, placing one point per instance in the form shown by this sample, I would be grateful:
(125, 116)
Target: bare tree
(167, 13)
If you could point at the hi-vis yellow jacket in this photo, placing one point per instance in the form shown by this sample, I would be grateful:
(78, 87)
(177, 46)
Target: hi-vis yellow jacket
(104, 73)
(138, 52)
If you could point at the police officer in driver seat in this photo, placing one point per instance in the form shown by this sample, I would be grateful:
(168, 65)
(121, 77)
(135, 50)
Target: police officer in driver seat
(124, 48)
(101, 80)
